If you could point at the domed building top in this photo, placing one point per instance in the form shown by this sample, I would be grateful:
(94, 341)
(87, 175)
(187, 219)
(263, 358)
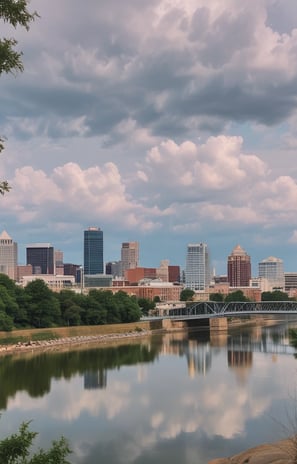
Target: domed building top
(238, 251)
(272, 259)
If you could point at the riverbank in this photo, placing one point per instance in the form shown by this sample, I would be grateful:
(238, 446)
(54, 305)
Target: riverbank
(24, 340)
(58, 343)
(56, 338)
(281, 452)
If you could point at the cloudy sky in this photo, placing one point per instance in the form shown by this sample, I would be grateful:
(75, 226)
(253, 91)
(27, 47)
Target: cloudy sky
(164, 121)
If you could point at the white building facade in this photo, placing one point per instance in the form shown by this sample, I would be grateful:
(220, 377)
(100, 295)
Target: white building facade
(197, 273)
(272, 269)
(8, 256)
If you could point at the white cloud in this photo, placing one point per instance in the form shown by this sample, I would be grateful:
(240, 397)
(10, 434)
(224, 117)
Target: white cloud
(166, 117)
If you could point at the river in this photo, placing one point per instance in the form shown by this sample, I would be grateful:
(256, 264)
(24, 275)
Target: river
(183, 397)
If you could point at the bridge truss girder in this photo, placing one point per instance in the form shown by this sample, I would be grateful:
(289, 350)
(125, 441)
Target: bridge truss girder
(220, 309)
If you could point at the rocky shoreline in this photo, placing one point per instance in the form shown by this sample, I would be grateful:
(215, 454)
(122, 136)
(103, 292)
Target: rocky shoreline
(281, 452)
(69, 341)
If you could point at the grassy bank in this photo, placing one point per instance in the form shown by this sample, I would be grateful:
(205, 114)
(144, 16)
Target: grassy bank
(26, 335)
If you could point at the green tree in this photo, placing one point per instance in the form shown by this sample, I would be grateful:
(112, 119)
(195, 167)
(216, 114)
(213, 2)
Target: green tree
(21, 319)
(15, 13)
(238, 295)
(186, 294)
(145, 305)
(72, 315)
(276, 295)
(43, 305)
(219, 297)
(6, 322)
(15, 449)
(70, 309)
(10, 305)
(8, 283)
(129, 308)
(9, 301)
(96, 313)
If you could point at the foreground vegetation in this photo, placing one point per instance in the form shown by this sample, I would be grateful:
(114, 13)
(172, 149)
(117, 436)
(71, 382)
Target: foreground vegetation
(38, 306)
(15, 449)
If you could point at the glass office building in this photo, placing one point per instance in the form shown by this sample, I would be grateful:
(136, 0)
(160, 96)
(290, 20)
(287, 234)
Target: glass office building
(41, 258)
(93, 251)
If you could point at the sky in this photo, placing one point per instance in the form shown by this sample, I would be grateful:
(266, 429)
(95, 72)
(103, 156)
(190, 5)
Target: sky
(168, 122)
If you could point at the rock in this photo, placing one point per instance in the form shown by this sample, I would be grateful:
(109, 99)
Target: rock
(281, 452)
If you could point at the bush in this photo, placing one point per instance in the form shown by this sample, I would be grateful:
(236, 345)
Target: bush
(15, 449)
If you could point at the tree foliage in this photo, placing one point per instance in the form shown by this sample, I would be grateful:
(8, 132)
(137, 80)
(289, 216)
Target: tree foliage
(146, 305)
(38, 306)
(276, 295)
(16, 448)
(15, 13)
(187, 294)
(237, 295)
(219, 297)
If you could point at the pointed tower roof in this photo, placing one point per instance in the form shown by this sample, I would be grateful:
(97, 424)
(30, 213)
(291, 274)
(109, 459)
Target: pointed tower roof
(4, 236)
(238, 251)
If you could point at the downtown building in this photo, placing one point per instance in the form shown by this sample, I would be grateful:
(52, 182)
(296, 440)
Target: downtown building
(41, 256)
(272, 269)
(239, 268)
(93, 270)
(93, 251)
(8, 256)
(197, 272)
(129, 256)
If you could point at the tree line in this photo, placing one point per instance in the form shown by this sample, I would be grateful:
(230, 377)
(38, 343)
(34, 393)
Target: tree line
(36, 305)
(237, 295)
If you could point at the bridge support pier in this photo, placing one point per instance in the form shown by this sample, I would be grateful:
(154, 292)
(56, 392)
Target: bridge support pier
(169, 324)
(218, 324)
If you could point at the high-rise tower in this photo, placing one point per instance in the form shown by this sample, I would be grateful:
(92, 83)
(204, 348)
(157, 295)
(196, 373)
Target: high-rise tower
(197, 274)
(272, 269)
(129, 256)
(93, 251)
(8, 256)
(41, 257)
(239, 268)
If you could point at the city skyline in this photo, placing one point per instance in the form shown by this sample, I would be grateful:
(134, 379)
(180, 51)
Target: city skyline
(135, 245)
(169, 122)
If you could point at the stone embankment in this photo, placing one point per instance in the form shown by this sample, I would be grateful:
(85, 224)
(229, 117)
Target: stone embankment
(281, 452)
(66, 341)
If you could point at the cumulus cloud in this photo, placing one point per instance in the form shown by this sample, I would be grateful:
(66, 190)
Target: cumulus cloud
(184, 183)
(222, 60)
(69, 191)
(151, 116)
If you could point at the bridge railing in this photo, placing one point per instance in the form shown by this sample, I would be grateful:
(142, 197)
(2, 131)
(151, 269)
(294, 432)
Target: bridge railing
(233, 307)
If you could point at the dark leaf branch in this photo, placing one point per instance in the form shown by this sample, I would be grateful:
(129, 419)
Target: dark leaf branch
(15, 13)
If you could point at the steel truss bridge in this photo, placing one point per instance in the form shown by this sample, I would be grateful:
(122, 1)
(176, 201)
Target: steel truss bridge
(209, 309)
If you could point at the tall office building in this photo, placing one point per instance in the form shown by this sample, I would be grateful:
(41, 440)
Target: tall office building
(272, 269)
(239, 268)
(8, 256)
(93, 251)
(197, 273)
(129, 256)
(59, 265)
(41, 257)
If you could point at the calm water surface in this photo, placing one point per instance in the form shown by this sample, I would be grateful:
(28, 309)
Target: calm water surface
(182, 397)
